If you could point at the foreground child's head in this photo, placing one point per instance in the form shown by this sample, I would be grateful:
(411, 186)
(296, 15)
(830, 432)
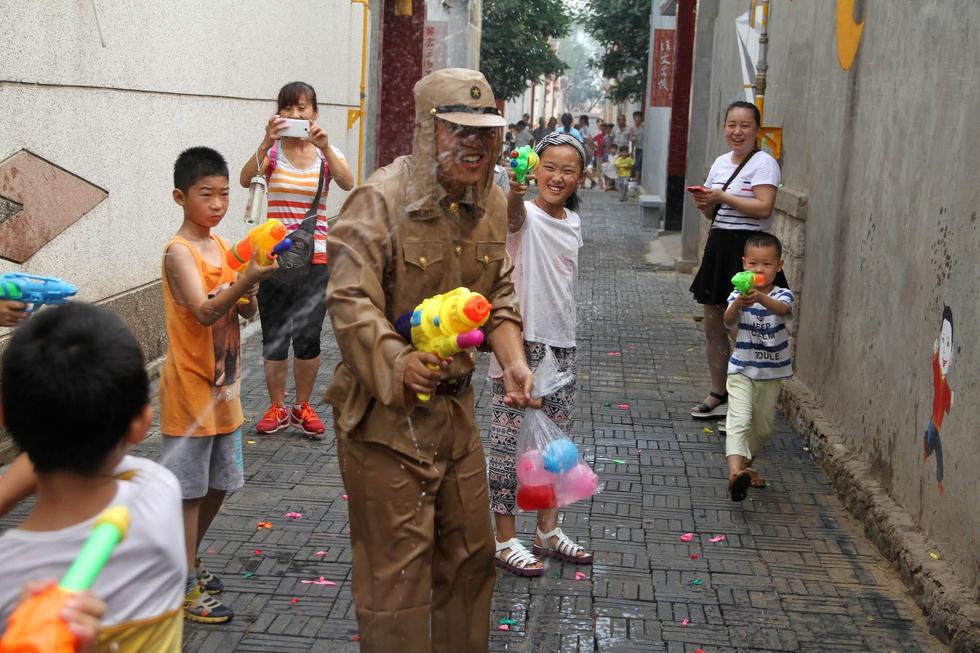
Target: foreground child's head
(201, 185)
(763, 255)
(83, 366)
(624, 150)
(560, 170)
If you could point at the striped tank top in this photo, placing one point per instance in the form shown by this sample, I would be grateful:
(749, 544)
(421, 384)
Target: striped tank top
(291, 193)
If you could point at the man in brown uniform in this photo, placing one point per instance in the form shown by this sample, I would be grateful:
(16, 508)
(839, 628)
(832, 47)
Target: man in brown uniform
(415, 474)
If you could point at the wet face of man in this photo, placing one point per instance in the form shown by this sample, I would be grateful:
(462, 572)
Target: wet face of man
(464, 154)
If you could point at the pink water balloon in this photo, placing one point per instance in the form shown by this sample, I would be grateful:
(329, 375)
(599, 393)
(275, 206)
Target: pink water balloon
(576, 484)
(531, 471)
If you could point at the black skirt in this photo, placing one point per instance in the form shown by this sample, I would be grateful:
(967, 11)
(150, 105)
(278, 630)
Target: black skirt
(721, 261)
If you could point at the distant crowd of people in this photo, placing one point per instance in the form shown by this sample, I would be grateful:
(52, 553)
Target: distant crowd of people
(614, 151)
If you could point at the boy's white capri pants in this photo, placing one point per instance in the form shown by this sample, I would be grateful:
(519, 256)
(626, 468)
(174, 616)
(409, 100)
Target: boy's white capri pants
(751, 412)
(202, 462)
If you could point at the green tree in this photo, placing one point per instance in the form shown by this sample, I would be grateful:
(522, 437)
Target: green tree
(622, 28)
(514, 49)
(581, 81)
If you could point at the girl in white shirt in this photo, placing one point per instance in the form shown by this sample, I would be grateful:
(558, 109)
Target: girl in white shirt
(544, 237)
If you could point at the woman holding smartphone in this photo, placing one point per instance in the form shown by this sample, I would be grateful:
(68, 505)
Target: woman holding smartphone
(294, 153)
(738, 197)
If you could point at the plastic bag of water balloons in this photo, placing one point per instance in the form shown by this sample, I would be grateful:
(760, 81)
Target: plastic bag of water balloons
(550, 470)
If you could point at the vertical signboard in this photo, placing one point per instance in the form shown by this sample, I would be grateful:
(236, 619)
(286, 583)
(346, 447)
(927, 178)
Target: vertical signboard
(663, 68)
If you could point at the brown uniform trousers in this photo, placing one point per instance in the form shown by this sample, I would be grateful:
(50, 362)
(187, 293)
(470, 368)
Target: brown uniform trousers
(421, 536)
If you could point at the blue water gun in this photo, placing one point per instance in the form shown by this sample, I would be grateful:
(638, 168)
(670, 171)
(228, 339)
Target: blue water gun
(34, 290)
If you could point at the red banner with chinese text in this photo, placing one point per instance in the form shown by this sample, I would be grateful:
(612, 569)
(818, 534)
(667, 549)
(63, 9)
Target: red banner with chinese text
(662, 80)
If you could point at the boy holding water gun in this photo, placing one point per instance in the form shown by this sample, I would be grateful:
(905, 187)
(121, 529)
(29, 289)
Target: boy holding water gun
(760, 360)
(85, 367)
(200, 406)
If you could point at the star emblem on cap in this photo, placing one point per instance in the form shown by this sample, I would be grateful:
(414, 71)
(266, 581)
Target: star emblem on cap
(475, 92)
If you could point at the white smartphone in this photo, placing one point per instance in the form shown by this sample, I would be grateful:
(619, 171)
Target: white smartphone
(296, 128)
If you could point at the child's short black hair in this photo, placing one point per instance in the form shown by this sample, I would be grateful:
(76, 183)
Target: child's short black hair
(194, 164)
(762, 239)
(293, 93)
(72, 381)
(624, 148)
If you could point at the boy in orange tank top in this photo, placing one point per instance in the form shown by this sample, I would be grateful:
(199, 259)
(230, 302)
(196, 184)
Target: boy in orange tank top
(200, 403)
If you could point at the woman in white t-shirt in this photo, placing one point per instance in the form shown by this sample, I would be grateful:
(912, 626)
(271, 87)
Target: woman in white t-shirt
(544, 237)
(738, 197)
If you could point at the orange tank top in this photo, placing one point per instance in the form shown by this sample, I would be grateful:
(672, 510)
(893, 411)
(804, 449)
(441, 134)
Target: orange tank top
(200, 381)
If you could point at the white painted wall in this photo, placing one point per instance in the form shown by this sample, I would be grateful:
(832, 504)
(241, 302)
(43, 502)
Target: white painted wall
(170, 76)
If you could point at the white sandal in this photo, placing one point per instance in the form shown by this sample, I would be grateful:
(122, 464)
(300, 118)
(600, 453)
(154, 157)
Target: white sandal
(518, 561)
(566, 550)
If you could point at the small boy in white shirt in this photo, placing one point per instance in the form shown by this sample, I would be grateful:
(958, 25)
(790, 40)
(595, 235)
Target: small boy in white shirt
(760, 360)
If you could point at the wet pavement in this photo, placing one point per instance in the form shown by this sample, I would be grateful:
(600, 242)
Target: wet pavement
(793, 571)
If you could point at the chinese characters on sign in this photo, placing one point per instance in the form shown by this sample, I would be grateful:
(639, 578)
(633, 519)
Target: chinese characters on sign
(663, 68)
(434, 46)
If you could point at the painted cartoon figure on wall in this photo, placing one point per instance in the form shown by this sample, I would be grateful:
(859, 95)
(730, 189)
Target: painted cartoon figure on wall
(943, 395)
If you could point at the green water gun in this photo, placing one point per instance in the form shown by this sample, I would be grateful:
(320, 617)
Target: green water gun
(747, 280)
(523, 160)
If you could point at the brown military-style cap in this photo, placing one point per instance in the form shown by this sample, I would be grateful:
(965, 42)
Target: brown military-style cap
(458, 95)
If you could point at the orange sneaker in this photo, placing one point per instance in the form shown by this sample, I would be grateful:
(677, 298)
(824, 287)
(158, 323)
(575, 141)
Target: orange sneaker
(303, 416)
(274, 420)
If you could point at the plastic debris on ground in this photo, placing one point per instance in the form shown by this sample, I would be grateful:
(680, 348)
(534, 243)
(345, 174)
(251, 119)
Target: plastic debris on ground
(263, 524)
(707, 430)
(718, 538)
(250, 442)
(344, 497)
(293, 601)
(509, 622)
(619, 461)
(615, 353)
(503, 627)
(934, 555)
(248, 574)
(258, 552)
(685, 622)
(294, 515)
(697, 582)
(580, 576)
(320, 553)
(687, 537)
(319, 581)
(694, 556)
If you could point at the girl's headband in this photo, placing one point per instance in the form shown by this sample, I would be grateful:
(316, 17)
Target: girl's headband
(559, 138)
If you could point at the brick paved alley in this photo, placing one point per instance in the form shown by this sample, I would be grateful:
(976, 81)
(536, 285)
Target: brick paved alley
(794, 574)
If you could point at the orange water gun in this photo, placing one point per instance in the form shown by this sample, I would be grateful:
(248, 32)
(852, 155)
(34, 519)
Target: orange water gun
(446, 324)
(36, 625)
(269, 238)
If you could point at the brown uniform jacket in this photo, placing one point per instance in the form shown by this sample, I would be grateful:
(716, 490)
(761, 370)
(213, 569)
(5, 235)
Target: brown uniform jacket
(398, 241)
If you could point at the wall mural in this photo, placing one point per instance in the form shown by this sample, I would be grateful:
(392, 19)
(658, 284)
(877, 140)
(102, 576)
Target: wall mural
(942, 394)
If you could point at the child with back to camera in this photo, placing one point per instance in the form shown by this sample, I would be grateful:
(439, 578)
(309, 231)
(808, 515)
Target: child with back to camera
(85, 367)
(760, 361)
(544, 237)
(200, 385)
(294, 167)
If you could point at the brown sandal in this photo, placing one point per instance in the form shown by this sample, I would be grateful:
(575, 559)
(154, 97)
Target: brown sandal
(757, 480)
(738, 485)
